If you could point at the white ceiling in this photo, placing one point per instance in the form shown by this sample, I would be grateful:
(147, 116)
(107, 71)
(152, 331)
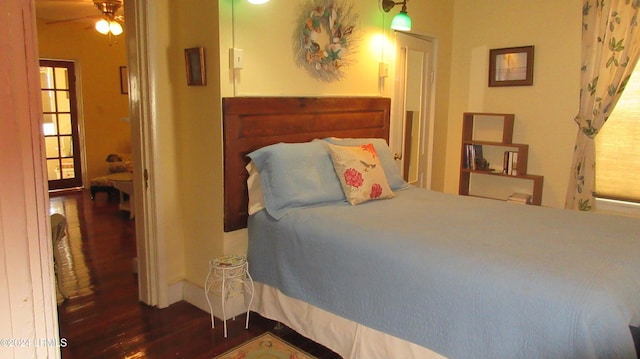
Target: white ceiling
(67, 10)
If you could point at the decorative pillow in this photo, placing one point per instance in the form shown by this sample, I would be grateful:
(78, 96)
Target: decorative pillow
(296, 175)
(391, 169)
(123, 166)
(256, 197)
(119, 162)
(360, 173)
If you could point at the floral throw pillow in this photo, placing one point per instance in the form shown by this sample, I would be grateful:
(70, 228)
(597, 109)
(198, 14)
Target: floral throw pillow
(360, 172)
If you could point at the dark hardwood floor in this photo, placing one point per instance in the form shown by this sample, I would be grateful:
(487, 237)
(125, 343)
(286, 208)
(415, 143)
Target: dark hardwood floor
(102, 318)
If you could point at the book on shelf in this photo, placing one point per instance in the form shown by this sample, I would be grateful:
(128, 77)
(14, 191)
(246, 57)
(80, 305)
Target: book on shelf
(510, 165)
(477, 156)
(522, 198)
(473, 156)
(468, 157)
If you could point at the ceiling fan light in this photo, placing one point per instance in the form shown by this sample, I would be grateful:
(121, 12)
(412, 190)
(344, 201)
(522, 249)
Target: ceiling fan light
(102, 26)
(115, 28)
(401, 22)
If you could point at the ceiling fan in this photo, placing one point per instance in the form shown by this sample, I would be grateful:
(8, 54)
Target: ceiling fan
(109, 22)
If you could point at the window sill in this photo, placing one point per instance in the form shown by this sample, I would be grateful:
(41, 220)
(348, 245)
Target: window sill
(617, 207)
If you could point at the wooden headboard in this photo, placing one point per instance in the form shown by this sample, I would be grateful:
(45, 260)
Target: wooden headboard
(254, 122)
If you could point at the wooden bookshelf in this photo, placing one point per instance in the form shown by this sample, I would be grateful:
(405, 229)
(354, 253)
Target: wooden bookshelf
(494, 131)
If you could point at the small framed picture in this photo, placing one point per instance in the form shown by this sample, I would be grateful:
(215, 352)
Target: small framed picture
(124, 80)
(195, 64)
(512, 66)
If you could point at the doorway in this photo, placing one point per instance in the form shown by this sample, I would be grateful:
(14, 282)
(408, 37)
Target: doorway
(415, 66)
(102, 117)
(60, 124)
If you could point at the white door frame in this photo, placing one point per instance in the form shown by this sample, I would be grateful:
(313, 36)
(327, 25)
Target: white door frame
(152, 284)
(27, 292)
(427, 112)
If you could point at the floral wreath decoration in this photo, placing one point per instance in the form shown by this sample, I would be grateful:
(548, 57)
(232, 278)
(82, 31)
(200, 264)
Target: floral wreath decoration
(338, 18)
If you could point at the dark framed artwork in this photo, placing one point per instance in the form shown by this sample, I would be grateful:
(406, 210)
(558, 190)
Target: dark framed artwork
(195, 65)
(124, 80)
(512, 66)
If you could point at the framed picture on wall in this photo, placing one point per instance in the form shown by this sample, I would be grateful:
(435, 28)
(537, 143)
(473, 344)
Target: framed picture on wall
(512, 66)
(195, 65)
(124, 80)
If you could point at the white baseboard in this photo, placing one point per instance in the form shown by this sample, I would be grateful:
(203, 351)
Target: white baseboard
(175, 292)
(194, 295)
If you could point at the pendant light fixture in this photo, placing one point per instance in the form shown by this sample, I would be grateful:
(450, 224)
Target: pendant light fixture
(108, 24)
(402, 21)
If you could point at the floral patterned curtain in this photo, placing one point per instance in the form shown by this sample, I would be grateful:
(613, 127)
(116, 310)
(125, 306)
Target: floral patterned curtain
(610, 50)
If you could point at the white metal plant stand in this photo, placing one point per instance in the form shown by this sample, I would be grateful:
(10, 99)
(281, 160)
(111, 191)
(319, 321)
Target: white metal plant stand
(229, 274)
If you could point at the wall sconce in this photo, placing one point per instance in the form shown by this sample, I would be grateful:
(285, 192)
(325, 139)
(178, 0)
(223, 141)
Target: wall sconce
(402, 21)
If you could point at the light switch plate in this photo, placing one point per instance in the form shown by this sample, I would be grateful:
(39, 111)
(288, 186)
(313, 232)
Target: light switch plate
(383, 69)
(237, 61)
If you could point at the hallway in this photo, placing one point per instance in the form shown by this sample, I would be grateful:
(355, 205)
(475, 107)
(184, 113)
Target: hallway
(102, 317)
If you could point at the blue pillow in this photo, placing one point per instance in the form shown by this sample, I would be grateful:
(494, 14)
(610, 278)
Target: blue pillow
(295, 175)
(391, 170)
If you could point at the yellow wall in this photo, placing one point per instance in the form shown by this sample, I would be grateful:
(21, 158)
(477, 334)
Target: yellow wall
(196, 117)
(269, 64)
(102, 106)
(545, 111)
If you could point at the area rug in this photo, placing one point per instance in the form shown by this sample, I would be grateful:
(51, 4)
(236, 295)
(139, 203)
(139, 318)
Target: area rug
(266, 346)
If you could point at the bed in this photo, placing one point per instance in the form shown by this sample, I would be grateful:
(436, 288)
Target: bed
(120, 169)
(422, 274)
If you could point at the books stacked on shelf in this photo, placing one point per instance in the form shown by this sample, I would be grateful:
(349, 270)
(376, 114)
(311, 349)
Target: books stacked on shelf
(473, 156)
(510, 166)
(521, 198)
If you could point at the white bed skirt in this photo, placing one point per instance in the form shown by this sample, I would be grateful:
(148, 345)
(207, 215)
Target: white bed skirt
(345, 337)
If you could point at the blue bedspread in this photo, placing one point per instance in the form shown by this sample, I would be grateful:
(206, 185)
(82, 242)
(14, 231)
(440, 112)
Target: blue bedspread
(463, 276)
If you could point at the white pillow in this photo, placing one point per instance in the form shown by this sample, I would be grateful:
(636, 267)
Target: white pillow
(256, 197)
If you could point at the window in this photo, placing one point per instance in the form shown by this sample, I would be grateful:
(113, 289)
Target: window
(618, 147)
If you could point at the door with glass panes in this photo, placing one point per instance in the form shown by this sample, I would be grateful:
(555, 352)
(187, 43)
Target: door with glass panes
(60, 124)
